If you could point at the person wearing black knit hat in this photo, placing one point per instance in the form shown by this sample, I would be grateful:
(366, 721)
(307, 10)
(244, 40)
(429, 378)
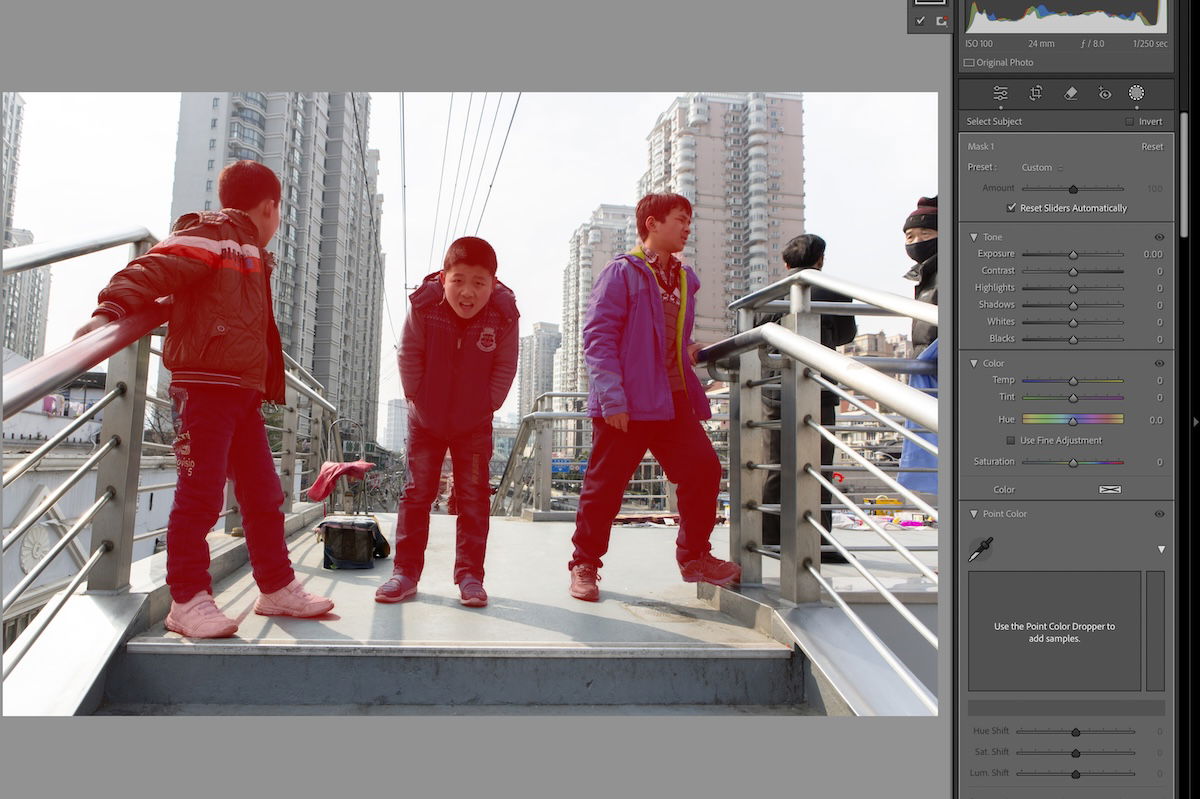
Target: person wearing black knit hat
(920, 242)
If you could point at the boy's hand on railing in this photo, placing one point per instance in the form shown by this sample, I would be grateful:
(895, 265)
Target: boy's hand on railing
(95, 323)
(619, 421)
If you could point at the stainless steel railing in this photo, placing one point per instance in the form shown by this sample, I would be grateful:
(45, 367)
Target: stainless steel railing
(116, 463)
(882, 406)
(546, 434)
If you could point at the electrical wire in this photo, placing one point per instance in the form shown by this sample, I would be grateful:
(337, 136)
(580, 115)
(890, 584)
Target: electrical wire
(458, 169)
(498, 159)
(471, 162)
(441, 180)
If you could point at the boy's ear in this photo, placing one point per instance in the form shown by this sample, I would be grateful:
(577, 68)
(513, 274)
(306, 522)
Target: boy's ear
(442, 278)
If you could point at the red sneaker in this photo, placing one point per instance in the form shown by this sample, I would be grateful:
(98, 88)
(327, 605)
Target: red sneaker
(471, 592)
(712, 570)
(583, 582)
(396, 589)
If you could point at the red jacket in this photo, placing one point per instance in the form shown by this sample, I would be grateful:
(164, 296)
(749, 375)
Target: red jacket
(222, 325)
(458, 376)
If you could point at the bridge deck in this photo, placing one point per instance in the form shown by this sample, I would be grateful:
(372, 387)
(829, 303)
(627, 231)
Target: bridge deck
(643, 601)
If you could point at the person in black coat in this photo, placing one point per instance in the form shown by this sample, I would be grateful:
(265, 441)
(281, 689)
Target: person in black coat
(920, 242)
(806, 251)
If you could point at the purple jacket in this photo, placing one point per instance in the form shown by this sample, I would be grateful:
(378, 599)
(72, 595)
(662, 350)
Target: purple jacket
(624, 344)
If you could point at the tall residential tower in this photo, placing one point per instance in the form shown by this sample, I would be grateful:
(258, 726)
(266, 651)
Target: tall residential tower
(26, 294)
(328, 281)
(739, 158)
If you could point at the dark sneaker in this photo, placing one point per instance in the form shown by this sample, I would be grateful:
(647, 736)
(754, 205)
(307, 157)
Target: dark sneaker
(584, 577)
(471, 592)
(397, 589)
(710, 570)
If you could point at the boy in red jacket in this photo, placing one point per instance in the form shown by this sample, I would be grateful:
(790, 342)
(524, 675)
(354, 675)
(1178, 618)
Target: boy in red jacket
(225, 358)
(458, 358)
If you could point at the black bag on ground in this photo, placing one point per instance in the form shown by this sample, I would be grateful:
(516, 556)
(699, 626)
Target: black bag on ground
(352, 542)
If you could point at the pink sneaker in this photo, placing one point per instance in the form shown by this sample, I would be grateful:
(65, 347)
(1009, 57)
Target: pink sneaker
(292, 600)
(199, 618)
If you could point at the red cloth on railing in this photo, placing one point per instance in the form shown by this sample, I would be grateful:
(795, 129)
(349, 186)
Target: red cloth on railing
(330, 472)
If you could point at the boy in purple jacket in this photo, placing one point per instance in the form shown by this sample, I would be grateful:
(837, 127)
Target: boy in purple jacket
(643, 394)
(458, 358)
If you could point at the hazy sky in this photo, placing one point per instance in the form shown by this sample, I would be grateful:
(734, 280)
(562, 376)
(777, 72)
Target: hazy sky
(94, 162)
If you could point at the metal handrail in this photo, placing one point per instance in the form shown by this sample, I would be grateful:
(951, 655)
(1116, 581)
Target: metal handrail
(888, 596)
(867, 520)
(32, 381)
(292, 362)
(31, 256)
(903, 306)
(35, 457)
(922, 693)
(53, 497)
(872, 468)
(59, 546)
(906, 400)
(898, 429)
(13, 655)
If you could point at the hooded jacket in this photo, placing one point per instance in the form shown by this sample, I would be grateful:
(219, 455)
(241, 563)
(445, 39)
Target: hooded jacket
(221, 324)
(457, 376)
(624, 343)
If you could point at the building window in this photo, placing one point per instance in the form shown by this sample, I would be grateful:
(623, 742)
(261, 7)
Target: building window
(212, 144)
(216, 102)
(214, 123)
(208, 205)
(208, 185)
(211, 162)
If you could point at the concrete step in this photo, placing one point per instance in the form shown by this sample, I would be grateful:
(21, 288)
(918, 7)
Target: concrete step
(173, 673)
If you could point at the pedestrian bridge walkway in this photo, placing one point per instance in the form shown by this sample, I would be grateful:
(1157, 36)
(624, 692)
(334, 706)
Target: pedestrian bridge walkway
(652, 645)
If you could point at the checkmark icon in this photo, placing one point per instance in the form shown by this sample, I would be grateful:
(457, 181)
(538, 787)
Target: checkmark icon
(1012, 207)
(920, 20)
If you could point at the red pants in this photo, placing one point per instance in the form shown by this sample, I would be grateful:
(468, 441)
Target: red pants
(686, 455)
(470, 455)
(218, 433)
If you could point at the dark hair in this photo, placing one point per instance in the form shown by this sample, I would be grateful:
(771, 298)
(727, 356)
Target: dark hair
(659, 206)
(804, 251)
(245, 184)
(472, 251)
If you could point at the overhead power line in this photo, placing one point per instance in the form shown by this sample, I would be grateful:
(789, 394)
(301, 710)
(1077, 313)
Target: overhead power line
(498, 159)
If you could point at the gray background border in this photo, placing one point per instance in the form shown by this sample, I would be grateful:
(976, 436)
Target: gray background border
(618, 45)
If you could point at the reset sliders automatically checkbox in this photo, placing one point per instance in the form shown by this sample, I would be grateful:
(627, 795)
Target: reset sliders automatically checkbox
(1011, 207)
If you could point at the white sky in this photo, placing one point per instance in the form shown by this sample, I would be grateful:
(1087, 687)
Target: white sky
(90, 163)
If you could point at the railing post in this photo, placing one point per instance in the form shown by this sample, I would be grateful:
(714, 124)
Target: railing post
(287, 461)
(543, 446)
(124, 418)
(799, 493)
(746, 445)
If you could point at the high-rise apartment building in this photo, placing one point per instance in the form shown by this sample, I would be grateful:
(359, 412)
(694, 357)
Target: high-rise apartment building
(395, 436)
(535, 370)
(26, 294)
(611, 231)
(328, 280)
(739, 159)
